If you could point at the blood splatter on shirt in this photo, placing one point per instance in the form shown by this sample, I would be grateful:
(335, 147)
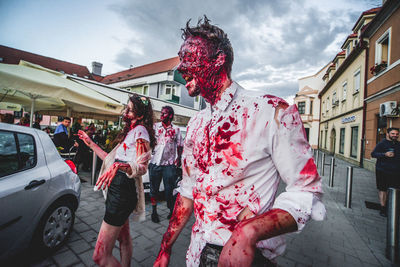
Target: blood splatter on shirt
(168, 139)
(235, 153)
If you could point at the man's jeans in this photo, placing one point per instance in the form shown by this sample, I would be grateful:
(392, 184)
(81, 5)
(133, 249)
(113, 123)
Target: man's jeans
(210, 255)
(168, 174)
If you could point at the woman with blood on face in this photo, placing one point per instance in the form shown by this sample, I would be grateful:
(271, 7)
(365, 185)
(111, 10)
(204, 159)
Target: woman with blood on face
(120, 179)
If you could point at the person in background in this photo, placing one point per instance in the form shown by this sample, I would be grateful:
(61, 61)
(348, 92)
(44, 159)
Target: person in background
(121, 173)
(37, 122)
(8, 118)
(76, 126)
(165, 160)
(61, 137)
(91, 130)
(24, 121)
(387, 168)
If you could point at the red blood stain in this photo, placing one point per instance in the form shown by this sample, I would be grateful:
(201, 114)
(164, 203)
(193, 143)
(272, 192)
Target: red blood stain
(309, 169)
(276, 101)
(226, 126)
(178, 216)
(230, 222)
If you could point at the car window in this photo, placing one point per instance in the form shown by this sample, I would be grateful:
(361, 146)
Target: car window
(8, 153)
(26, 151)
(15, 158)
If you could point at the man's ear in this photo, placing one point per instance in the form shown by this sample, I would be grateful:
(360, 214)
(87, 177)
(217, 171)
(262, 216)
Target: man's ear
(220, 61)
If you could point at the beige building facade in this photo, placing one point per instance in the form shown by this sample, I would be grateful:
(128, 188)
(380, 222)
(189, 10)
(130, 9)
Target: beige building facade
(342, 97)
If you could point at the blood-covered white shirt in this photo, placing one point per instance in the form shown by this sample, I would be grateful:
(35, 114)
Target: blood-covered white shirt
(168, 140)
(235, 154)
(127, 150)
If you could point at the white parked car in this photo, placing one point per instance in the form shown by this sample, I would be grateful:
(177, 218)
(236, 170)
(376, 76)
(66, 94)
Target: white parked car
(39, 192)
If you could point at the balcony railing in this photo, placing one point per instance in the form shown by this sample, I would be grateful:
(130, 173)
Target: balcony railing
(306, 117)
(171, 98)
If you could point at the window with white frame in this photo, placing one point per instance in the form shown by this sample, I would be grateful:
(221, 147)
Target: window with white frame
(145, 90)
(348, 49)
(344, 91)
(382, 48)
(327, 104)
(357, 81)
(170, 89)
(301, 107)
(334, 99)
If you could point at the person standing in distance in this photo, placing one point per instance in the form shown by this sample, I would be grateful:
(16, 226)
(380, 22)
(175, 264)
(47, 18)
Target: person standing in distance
(166, 158)
(387, 167)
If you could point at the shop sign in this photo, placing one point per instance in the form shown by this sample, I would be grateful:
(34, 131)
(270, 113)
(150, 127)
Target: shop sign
(349, 119)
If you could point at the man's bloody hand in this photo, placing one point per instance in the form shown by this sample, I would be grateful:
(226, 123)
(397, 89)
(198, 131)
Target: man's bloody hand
(162, 259)
(240, 248)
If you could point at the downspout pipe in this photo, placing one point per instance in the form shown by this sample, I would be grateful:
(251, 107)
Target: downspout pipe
(363, 141)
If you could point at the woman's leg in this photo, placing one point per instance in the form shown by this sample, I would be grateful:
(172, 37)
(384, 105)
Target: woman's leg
(102, 255)
(125, 245)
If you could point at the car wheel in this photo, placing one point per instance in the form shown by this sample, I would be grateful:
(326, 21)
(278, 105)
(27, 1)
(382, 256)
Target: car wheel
(54, 227)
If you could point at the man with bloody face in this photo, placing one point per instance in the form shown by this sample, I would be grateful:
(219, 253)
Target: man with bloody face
(166, 158)
(235, 153)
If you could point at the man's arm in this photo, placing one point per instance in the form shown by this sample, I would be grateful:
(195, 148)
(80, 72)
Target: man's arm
(240, 248)
(378, 151)
(178, 161)
(182, 211)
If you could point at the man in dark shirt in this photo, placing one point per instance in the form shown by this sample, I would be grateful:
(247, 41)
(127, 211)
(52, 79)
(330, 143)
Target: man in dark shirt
(61, 138)
(387, 153)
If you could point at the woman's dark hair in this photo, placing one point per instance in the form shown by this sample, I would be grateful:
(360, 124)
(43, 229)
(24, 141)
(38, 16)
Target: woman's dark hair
(217, 38)
(142, 107)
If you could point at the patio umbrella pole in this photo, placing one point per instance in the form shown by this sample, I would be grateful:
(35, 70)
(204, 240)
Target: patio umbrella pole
(32, 110)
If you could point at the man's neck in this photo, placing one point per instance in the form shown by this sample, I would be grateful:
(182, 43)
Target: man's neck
(166, 125)
(226, 84)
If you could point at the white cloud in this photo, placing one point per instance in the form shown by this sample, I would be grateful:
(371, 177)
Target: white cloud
(275, 42)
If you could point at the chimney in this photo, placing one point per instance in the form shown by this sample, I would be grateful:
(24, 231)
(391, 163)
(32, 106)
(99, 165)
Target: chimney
(96, 68)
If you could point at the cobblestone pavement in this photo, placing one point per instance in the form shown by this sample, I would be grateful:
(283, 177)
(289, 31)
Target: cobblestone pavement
(348, 237)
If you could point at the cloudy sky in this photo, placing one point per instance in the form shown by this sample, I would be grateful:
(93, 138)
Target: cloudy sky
(276, 42)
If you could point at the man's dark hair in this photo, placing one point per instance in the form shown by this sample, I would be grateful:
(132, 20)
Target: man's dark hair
(170, 110)
(216, 36)
(392, 129)
(67, 118)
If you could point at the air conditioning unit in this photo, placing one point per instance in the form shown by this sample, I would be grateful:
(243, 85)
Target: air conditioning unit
(388, 108)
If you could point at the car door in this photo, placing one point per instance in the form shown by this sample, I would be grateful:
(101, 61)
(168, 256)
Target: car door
(23, 188)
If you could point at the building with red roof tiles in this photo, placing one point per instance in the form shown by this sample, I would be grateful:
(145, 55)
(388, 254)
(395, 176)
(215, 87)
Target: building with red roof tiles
(157, 79)
(10, 55)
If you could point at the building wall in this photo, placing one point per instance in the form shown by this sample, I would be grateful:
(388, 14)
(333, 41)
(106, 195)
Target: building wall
(331, 133)
(311, 120)
(387, 81)
(371, 126)
(347, 107)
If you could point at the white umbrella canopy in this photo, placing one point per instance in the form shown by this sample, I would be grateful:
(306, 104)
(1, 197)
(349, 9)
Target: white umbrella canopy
(44, 89)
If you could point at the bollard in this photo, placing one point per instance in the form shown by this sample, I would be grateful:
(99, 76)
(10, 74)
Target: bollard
(93, 180)
(349, 186)
(317, 159)
(323, 165)
(332, 172)
(392, 230)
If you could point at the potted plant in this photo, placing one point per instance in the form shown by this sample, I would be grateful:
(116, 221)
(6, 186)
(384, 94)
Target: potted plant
(378, 67)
